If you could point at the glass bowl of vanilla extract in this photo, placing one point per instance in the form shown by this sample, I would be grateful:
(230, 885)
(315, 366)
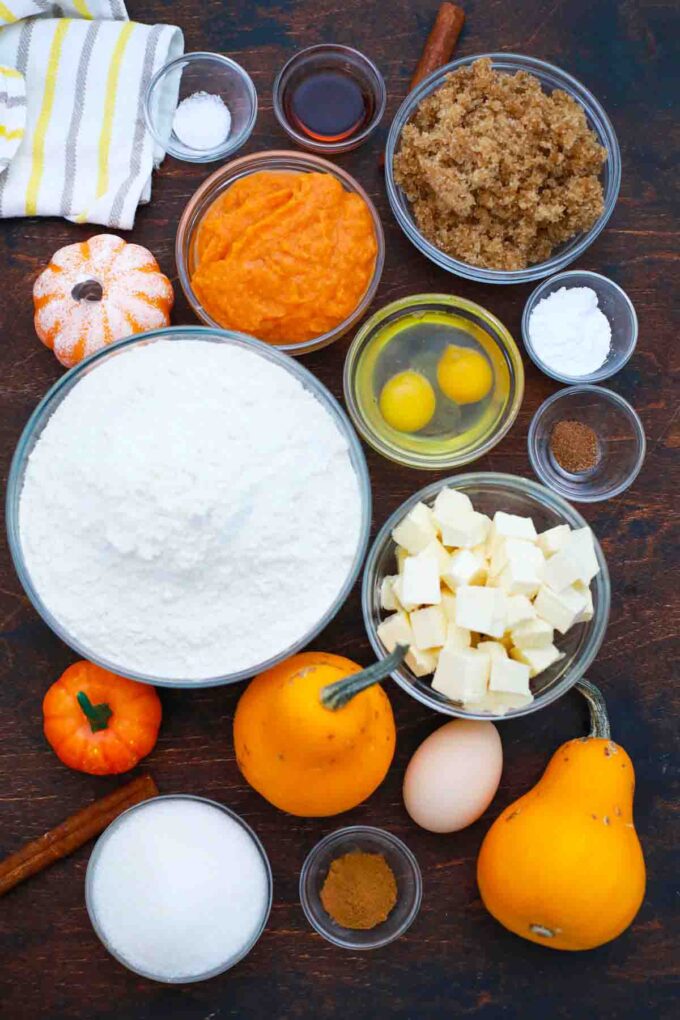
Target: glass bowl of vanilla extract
(329, 98)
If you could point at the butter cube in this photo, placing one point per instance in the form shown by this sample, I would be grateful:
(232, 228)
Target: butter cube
(448, 604)
(416, 530)
(388, 598)
(420, 582)
(462, 675)
(519, 610)
(588, 610)
(449, 504)
(395, 630)
(481, 609)
(398, 591)
(560, 609)
(436, 549)
(524, 568)
(494, 649)
(420, 661)
(532, 634)
(537, 659)
(509, 677)
(515, 550)
(576, 561)
(464, 567)
(511, 526)
(500, 702)
(401, 557)
(552, 540)
(429, 627)
(457, 637)
(466, 530)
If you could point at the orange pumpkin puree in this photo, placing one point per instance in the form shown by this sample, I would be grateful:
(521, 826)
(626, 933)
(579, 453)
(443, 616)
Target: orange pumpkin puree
(284, 256)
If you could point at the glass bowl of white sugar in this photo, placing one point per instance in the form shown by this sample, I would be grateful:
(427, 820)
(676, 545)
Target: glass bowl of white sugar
(579, 327)
(178, 889)
(188, 507)
(201, 107)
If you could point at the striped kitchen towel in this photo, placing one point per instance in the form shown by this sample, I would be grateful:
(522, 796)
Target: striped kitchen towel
(12, 114)
(85, 153)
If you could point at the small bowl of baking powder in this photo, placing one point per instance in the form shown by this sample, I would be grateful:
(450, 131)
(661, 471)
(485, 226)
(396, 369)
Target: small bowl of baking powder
(579, 327)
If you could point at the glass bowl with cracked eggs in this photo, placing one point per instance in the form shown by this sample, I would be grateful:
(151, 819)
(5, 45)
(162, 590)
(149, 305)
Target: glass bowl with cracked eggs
(548, 585)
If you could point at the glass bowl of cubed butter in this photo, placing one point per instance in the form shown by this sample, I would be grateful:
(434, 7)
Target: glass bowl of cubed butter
(497, 586)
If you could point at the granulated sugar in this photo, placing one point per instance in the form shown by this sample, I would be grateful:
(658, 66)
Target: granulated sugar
(178, 889)
(190, 510)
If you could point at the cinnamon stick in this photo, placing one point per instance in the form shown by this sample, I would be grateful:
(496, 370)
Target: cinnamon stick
(441, 41)
(73, 833)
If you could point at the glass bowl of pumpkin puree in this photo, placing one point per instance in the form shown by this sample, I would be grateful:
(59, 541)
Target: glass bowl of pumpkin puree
(283, 246)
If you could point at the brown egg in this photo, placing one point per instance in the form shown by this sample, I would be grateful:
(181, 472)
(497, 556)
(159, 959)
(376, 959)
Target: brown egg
(453, 776)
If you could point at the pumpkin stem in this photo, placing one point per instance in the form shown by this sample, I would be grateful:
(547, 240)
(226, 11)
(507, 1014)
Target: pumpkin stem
(88, 290)
(335, 696)
(599, 720)
(97, 715)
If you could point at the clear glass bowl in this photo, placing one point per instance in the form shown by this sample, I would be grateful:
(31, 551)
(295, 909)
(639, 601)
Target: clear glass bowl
(325, 57)
(489, 492)
(620, 436)
(54, 398)
(200, 72)
(369, 840)
(550, 78)
(412, 449)
(214, 186)
(92, 865)
(615, 304)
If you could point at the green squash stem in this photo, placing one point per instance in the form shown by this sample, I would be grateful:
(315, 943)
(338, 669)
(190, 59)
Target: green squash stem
(335, 696)
(599, 720)
(97, 715)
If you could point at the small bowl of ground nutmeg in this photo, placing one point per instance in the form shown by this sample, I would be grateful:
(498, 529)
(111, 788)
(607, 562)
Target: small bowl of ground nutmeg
(587, 443)
(502, 168)
(360, 887)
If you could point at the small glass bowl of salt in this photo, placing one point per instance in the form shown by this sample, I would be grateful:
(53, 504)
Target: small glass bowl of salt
(200, 107)
(579, 327)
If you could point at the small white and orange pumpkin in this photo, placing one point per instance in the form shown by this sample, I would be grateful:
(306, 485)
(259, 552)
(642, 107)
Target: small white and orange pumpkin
(96, 292)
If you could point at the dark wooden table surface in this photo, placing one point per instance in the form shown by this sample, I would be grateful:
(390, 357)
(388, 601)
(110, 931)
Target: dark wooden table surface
(455, 960)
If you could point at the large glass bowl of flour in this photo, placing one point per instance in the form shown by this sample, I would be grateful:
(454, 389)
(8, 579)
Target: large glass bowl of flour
(188, 507)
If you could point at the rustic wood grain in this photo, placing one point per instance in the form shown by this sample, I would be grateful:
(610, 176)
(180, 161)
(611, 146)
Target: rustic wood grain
(455, 960)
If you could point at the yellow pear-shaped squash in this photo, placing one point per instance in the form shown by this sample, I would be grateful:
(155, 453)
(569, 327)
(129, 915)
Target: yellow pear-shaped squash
(563, 866)
(315, 735)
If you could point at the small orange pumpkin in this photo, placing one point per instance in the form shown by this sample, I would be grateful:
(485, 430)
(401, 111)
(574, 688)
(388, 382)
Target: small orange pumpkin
(99, 722)
(563, 866)
(96, 292)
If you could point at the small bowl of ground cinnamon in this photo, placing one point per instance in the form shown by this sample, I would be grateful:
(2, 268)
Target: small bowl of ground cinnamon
(502, 168)
(587, 443)
(360, 887)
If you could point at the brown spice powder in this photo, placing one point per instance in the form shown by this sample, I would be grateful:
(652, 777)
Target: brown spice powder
(499, 173)
(360, 890)
(574, 446)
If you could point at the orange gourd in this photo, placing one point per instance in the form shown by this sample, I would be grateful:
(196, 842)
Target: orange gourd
(99, 722)
(314, 735)
(563, 866)
(96, 292)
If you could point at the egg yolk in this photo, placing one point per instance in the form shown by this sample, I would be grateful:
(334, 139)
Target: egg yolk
(407, 401)
(464, 375)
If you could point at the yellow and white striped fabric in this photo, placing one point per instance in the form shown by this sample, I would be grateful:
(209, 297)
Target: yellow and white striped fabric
(86, 153)
(12, 114)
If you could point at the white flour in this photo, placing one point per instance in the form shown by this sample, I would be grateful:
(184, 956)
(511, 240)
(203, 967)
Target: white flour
(569, 332)
(190, 510)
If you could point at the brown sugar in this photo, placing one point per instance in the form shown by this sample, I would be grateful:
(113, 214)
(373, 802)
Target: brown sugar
(499, 173)
(360, 890)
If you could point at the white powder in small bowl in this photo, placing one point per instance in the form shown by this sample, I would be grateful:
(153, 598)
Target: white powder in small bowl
(202, 121)
(178, 888)
(190, 510)
(569, 332)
